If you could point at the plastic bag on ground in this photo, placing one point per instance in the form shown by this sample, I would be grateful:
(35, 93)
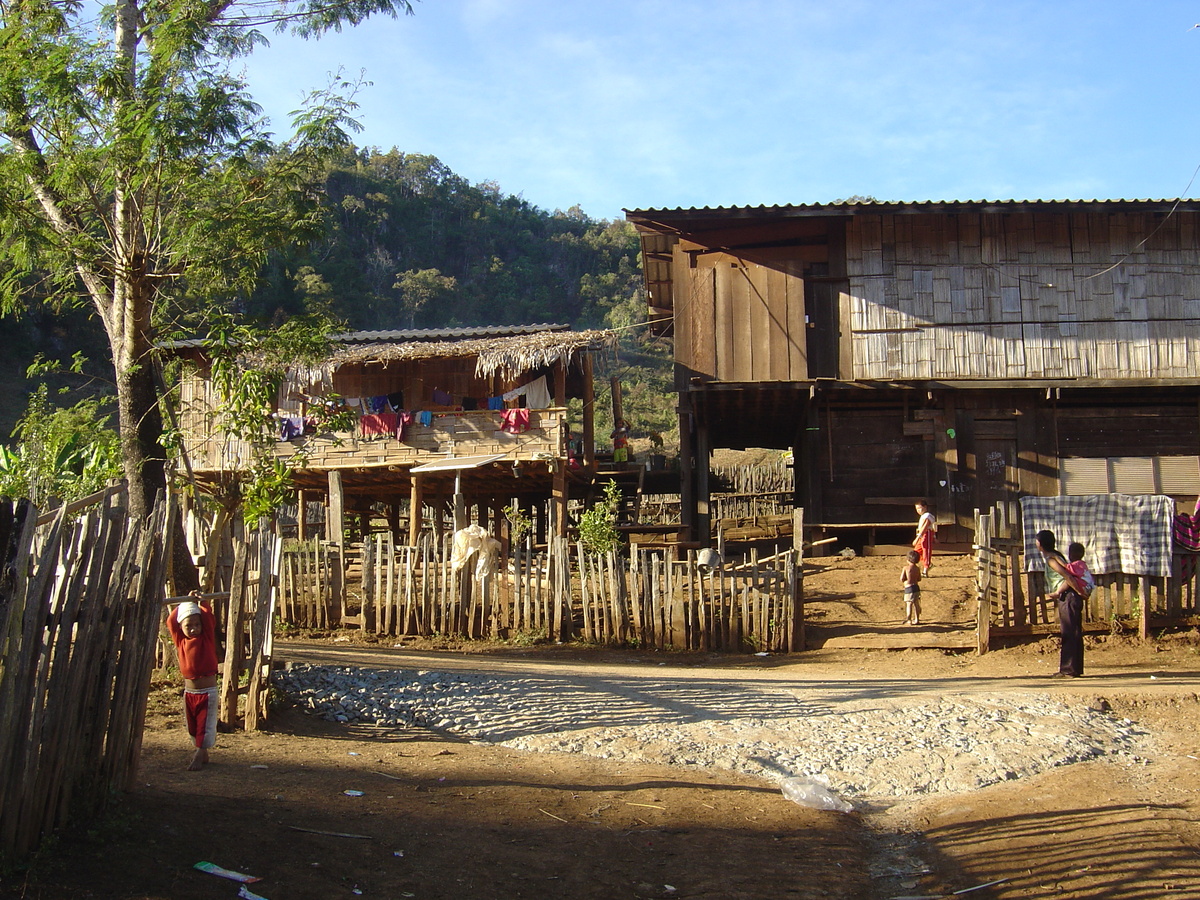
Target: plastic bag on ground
(807, 792)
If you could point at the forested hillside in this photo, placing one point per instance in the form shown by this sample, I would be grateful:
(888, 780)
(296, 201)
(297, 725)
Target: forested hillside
(411, 244)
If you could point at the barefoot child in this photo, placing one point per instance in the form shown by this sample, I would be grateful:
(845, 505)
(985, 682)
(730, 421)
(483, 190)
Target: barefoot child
(926, 535)
(194, 630)
(910, 577)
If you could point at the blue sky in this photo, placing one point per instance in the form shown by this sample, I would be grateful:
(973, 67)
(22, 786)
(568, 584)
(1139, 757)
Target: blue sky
(665, 103)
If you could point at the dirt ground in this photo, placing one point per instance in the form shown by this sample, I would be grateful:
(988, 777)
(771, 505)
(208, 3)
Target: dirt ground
(443, 818)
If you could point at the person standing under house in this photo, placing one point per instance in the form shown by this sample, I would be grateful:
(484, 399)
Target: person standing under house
(620, 440)
(1063, 586)
(193, 628)
(926, 531)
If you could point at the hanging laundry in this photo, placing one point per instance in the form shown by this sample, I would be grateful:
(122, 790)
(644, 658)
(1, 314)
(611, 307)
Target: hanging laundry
(403, 420)
(536, 394)
(495, 403)
(425, 417)
(291, 427)
(469, 404)
(377, 404)
(514, 421)
(441, 398)
(396, 401)
(378, 425)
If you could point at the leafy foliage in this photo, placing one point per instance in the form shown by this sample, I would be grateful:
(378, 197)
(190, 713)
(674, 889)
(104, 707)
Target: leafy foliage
(249, 364)
(136, 172)
(61, 453)
(410, 243)
(598, 524)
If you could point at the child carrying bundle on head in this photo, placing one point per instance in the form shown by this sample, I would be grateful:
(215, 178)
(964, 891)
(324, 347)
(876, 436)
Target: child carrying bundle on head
(193, 628)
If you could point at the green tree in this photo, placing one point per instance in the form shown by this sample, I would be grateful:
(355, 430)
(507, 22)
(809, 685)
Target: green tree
(248, 365)
(136, 171)
(420, 289)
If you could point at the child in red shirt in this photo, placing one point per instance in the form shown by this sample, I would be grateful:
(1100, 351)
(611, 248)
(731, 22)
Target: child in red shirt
(194, 630)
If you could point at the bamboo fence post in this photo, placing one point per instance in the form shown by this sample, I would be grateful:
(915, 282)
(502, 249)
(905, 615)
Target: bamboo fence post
(231, 671)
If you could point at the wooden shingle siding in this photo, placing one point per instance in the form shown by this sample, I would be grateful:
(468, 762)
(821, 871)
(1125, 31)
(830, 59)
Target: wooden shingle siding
(1023, 295)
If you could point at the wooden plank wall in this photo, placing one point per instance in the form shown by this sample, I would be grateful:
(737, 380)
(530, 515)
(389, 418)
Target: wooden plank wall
(1024, 295)
(739, 321)
(469, 433)
(869, 453)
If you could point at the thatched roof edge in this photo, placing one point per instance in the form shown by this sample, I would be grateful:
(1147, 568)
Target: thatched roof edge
(508, 355)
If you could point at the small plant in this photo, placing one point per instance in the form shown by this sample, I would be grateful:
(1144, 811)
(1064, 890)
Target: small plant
(598, 525)
(529, 637)
(519, 523)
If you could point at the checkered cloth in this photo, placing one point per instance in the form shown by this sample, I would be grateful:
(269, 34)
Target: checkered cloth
(1125, 533)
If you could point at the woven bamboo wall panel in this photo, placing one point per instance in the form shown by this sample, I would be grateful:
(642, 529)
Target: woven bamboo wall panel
(1024, 295)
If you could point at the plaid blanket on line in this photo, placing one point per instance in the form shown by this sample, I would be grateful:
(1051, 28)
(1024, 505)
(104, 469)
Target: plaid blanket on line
(1128, 533)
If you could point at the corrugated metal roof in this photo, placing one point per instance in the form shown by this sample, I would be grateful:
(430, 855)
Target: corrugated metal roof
(912, 207)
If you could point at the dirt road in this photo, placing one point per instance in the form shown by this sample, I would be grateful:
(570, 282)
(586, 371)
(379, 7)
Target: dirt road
(440, 817)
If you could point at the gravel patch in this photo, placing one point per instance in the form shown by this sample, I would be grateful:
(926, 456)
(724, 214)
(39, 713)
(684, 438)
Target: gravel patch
(864, 748)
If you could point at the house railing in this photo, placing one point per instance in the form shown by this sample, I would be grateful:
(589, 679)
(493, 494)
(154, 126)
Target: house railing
(449, 433)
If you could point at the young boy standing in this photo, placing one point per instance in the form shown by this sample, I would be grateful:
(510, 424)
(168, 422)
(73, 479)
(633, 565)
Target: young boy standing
(194, 630)
(910, 577)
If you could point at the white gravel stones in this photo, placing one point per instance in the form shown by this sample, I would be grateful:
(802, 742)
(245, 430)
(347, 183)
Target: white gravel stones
(864, 747)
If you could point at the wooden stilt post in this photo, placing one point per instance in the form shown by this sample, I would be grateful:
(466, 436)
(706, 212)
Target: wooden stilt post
(415, 510)
(335, 529)
(589, 415)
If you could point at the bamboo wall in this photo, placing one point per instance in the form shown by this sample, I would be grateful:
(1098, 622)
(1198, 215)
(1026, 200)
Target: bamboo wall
(1023, 295)
(469, 433)
(79, 613)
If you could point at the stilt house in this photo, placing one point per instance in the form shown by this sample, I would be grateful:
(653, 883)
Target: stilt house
(445, 420)
(965, 352)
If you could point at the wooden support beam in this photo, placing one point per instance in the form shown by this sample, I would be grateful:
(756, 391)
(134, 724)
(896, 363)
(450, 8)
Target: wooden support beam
(560, 501)
(415, 502)
(560, 384)
(589, 414)
(335, 530)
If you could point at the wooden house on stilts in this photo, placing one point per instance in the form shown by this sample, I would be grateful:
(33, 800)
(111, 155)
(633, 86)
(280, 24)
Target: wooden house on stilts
(452, 423)
(965, 352)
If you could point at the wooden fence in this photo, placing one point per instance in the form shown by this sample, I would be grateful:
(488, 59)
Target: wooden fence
(80, 605)
(564, 593)
(1012, 602)
(249, 629)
